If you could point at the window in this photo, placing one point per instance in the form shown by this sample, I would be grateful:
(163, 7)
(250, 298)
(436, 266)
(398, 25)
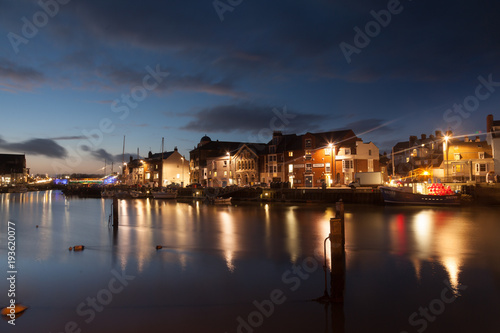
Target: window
(480, 168)
(272, 149)
(308, 154)
(215, 173)
(308, 167)
(457, 157)
(148, 175)
(308, 143)
(370, 165)
(481, 155)
(290, 168)
(369, 152)
(225, 163)
(347, 151)
(327, 151)
(407, 160)
(457, 168)
(274, 169)
(225, 173)
(327, 167)
(347, 164)
(156, 175)
(290, 154)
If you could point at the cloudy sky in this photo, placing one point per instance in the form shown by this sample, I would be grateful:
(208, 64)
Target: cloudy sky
(76, 76)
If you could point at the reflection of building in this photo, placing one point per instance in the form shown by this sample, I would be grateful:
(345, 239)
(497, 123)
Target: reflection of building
(493, 129)
(160, 169)
(13, 169)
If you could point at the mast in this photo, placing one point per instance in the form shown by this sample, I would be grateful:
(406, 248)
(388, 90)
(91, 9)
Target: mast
(123, 156)
(161, 171)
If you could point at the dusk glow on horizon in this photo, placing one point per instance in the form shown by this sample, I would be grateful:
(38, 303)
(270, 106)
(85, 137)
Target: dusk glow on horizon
(76, 77)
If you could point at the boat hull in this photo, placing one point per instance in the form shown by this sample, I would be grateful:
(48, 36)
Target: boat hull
(393, 195)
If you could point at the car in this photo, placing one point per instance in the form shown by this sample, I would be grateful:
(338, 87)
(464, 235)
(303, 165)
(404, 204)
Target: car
(194, 185)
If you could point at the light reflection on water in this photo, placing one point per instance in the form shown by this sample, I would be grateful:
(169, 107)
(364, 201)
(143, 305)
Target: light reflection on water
(216, 261)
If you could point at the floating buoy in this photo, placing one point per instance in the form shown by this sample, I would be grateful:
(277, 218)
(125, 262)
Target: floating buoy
(78, 248)
(159, 247)
(70, 248)
(13, 309)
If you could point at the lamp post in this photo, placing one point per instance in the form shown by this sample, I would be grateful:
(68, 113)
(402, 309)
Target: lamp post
(446, 138)
(182, 183)
(229, 167)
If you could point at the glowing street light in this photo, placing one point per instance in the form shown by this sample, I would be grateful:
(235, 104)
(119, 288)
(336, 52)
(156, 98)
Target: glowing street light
(445, 143)
(334, 170)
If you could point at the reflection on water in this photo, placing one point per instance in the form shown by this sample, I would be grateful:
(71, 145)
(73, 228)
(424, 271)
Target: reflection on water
(216, 261)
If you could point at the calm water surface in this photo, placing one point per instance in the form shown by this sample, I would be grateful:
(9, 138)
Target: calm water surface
(407, 269)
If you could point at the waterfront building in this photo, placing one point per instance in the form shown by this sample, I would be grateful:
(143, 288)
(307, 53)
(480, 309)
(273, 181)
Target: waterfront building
(208, 158)
(424, 155)
(468, 160)
(493, 137)
(161, 169)
(13, 169)
(239, 167)
(317, 159)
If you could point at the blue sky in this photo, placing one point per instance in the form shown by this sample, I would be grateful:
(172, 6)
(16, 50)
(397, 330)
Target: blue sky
(235, 70)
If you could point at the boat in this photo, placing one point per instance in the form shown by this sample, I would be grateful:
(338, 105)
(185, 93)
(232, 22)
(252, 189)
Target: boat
(164, 194)
(220, 200)
(407, 196)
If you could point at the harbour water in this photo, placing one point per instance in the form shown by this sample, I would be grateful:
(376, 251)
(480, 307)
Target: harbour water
(247, 267)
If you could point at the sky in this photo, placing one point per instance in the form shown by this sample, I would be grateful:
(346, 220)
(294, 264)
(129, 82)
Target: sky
(77, 76)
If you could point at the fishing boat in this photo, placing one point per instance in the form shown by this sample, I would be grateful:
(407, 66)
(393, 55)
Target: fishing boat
(434, 194)
(165, 194)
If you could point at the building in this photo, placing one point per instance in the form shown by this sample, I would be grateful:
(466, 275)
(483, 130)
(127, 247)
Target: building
(161, 169)
(493, 137)
(208, 158)
(424, 154)
(240, 167)
(13, 169)
(467, 160)
(317, 159)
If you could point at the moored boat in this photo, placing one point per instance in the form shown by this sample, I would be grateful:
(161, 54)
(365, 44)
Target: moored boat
(164, 194)
(220, 200)
(405, 195)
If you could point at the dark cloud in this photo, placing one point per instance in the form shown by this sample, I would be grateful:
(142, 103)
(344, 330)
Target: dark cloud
(14, 77)
(72, 137)
(104, 155)
(253, 119)
(44, 147)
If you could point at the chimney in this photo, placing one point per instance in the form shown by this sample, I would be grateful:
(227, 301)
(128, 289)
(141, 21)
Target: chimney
(478, 139)
(175, 148)
(150, 154)
(439, 134)
(466, 139)
(131, 158)
(423, 136)
(489, 123)
(413, 139)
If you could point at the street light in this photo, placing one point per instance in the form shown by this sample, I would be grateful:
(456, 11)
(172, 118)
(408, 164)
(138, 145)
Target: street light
(229, 167)
(334, 170)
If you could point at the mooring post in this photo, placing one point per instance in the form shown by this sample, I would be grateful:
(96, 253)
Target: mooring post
(337, 243)
(115, 212)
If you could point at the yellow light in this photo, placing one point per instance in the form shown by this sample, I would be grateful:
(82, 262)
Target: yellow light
(426, 173)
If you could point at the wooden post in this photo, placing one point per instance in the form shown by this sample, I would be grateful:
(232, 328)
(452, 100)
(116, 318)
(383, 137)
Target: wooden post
(337, 243)
(115, 212)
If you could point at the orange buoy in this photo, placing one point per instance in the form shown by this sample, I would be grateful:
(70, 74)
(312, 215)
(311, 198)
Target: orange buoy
(13, 309)
(70, 248)
(159, 247)
(78, 248)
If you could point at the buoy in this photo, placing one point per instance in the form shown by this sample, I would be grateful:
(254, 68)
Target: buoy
(13, 309)
(159, 247)
(70, 248)
(37, 225)
(78, 248)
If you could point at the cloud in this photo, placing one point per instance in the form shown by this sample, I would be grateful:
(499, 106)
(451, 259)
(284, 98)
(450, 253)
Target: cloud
(250, 118)
(36, 146)
(18, 77)
(74, 137)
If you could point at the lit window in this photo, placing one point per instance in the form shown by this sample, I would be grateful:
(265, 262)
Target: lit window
(327, 151)
(327, 167)
(290, 153)
(225, 173)
(148, 175)
(347, 151)
(290, 168)
(308, 143)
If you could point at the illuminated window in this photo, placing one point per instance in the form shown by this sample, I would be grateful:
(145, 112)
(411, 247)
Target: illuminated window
(148, 175)
(327, 151)
(290, 153)
(178, 176)
(458, 157)
(481, 156)
(225, 173)
(327, 167)
(308, 167)
(347, 151)
(156, 175)
(290, 168)
(308, 143)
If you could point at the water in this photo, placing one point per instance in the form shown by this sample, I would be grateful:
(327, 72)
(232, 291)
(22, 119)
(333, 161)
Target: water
(247, 267)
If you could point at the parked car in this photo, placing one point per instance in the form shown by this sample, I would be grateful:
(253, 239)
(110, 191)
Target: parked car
(194, 185)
